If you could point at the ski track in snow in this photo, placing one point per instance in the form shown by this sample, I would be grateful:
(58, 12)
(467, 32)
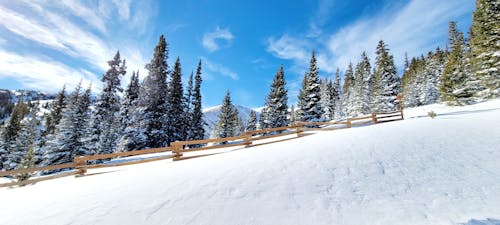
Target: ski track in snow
(417, 171)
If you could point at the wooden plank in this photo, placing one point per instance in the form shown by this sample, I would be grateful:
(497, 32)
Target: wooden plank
(35, 169)
(35, 180)
(131, 153)
(361, 118)
(385, 121)
(272, 136)
(381, 117)
(129, 163)
(383, 113)
(214, 147)
(208, 140)
(269, 130)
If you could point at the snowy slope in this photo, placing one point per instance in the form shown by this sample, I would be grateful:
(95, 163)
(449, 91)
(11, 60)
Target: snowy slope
(211, 116)
(417, 171)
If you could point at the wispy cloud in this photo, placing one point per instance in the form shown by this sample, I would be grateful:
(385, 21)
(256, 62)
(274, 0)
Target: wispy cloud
(210, 39)
(43, 74)
(213, 67)
(75, 29)
(417, 27)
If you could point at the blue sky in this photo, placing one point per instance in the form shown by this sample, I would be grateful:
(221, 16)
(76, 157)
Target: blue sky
(45, 44)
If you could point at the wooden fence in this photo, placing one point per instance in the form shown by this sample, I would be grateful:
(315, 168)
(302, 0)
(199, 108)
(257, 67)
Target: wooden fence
(80, 165)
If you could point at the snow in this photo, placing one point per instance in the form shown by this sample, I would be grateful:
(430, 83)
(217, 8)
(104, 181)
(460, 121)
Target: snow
(444, 170)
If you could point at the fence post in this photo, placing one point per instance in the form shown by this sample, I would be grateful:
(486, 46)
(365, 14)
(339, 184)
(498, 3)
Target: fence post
(298, 128)
(80, 166)
(247, 141)
(374, 118)
(176, 150)
(348, 123)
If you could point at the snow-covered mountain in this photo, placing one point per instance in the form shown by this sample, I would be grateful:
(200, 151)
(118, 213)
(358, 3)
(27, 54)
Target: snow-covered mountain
(211, 116)
(8, 98)
(441, 171)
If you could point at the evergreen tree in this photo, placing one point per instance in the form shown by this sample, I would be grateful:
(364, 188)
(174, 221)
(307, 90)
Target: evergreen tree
(386, 83)
(72, 133)
(26, 144)
(252, 122)
(129, 122)
(453, 84)
(362, 87)
(106, 119)
(276, 102)
(309, 97)
(175, 105)
(292, 114)
(337, 96)
(27, 162)
(433, 71)
(327, 99)
(188, 109)
(10, 134)
(55, 115)
(197, 130)
(263, 119)
(348, 92)
(485, 45)
(152, 102)
(227, 123)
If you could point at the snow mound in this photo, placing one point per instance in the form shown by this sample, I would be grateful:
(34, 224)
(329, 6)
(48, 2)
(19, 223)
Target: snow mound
(444, 170)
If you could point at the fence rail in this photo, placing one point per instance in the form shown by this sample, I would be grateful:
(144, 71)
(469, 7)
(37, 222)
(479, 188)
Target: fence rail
(80, 164)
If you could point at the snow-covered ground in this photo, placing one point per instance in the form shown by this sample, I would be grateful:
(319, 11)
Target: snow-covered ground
(444, 170)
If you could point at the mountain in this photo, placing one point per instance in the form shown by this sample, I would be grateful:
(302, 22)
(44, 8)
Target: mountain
(211, 116)
(8, 98)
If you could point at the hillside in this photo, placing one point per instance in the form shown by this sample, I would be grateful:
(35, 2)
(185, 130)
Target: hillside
(444, 170)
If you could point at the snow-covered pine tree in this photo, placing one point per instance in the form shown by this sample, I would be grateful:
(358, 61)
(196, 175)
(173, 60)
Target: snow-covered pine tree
(239, 125)
(327, 99)
(129, 122)
(188, 108)
(175, 105)
(152, 101)
(72, 133)
(348, 92)
(10, 134)
(433, 72)
(263, 120)
(485, 45)
(292, 114)
(454, 80)
(310, 95)
(252, 122)
(276, 101)
(27, 143)
(197, 123)
(106, 118)
(227, 123)
(362, 87)
(55, 115)
(386, 83)
(337, 96)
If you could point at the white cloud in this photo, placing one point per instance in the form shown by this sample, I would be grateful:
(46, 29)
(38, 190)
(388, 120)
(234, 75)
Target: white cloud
(209, 40)
(219, 69)
(90, 16)
(43, 74)
(417, 27)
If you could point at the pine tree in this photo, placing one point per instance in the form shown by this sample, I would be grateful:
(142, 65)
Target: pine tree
(276, 102)
(386, 83)
(327, 99)
(27, 143)
(129, 122)
(56, 107)
(188, 109)
(252, 122)
(197, 130)
(292, 114)
(106, 119)
(175, 105)
(309, 97)
(348, 92)
(152, 102)
(485, 45)
(453, 84)
(263, 119)
(337, 96)
(362, 87)
(226, 125)
(10, 134)
(72, 133)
